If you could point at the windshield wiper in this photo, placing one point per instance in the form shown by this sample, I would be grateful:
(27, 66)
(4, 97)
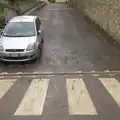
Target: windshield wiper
(7, 35)
(18, 35)
(12, 36)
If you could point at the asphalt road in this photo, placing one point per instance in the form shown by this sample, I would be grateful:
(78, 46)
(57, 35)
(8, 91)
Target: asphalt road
(85, 97)
(71, 44)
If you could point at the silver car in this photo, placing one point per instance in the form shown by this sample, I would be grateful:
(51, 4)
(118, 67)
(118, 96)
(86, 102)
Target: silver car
(21, 39)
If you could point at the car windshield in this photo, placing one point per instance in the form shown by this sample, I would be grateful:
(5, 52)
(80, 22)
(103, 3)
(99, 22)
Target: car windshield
(19, 29)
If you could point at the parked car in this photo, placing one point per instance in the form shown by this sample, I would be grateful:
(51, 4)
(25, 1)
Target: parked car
(22, 39)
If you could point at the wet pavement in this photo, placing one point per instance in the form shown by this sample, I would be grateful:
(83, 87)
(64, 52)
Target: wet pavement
(68, 97)
(71, 44)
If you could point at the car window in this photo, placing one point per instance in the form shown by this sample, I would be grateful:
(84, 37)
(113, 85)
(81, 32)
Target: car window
(20, 29)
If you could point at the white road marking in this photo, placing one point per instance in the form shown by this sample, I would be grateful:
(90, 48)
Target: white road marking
(4, 73)
(33, 101)
(5, 85)
(57, 9)
(113, 87)
(79, 99)
(95, 74)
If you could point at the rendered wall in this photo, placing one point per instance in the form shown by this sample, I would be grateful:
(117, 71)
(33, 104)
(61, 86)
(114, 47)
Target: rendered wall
(105, 13)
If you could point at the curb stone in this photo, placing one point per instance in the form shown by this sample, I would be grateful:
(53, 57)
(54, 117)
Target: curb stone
(35, 8)
(5, 74)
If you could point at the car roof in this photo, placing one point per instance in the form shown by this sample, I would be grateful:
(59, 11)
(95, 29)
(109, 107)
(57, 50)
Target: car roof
(23, 19)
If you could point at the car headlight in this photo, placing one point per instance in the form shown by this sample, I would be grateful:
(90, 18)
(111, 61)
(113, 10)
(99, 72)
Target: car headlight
(31, 46)
(1, 47)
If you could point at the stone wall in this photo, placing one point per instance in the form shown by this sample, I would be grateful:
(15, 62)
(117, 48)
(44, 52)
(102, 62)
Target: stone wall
(105, 13)
(23, 6)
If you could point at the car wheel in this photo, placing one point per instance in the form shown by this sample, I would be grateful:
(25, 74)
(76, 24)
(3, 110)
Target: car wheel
(42, 40)
(39, 55)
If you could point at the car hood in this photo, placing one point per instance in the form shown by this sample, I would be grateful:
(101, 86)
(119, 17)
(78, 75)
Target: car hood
(16, 42)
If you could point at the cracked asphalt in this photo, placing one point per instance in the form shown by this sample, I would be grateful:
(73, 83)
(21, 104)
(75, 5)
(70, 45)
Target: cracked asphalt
(72, 43)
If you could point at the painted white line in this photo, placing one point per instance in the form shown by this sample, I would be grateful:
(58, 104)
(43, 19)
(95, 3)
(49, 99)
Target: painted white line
(5, 85)
(4, 73)
(79, 100)
(113, 87)
(19, 73)
(57, 9)
(33, 101)
(95, 74)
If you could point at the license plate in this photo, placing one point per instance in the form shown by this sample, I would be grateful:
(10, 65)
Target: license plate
(14, 55)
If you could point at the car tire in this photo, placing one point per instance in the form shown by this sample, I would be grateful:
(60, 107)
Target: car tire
(42, 40)
(39, 54)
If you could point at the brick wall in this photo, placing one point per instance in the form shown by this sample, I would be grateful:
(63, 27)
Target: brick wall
(105, 13)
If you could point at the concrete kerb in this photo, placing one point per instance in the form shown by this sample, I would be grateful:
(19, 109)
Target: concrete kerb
(37, 7)
(5, 74)
(61, 3)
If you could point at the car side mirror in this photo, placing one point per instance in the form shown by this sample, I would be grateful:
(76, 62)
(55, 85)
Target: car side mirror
(1, 32)
(39, 32)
